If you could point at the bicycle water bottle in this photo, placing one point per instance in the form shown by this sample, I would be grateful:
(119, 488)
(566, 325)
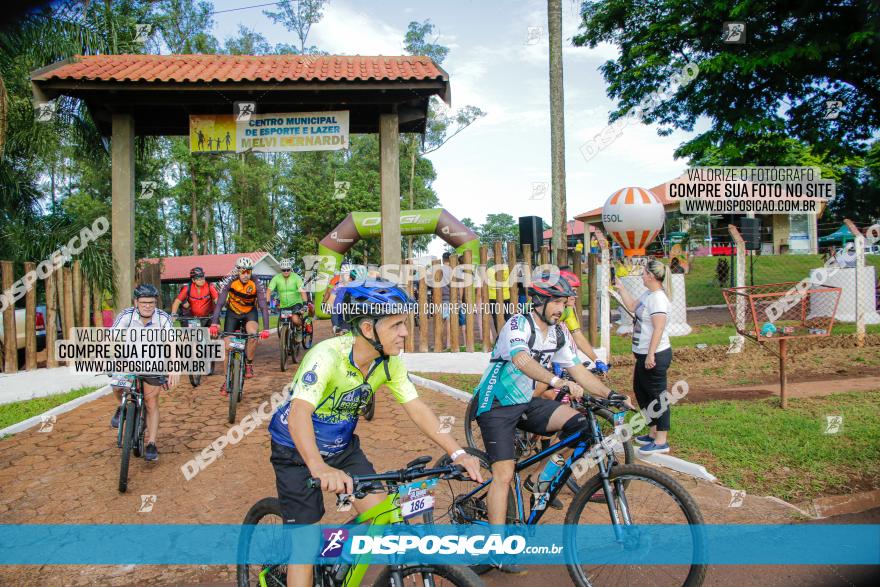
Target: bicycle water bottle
(547, 475)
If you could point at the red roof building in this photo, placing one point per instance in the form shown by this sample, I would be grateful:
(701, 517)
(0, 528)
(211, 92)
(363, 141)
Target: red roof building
(176, 269)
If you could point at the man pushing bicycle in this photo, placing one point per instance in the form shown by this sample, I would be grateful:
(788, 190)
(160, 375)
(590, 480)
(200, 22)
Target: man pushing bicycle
(313, 432)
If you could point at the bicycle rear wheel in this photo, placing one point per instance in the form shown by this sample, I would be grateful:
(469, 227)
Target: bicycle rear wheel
(640, 495)
(267, 512)
(454, 505)
(472, 433)
(421, 575)
(128, 439)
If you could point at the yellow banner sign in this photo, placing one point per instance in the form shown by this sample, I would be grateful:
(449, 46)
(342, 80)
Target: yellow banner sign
(298, 131)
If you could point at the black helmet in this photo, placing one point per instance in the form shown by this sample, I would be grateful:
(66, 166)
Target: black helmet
(196, 273)
(145, 290)
(544, 287)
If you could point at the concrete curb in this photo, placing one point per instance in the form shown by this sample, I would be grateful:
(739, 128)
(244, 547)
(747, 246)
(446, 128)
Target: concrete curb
(57, 410)
(441, 387)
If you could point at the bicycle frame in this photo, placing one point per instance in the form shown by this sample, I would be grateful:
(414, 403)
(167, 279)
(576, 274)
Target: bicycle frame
(384, 513)
(581, 443)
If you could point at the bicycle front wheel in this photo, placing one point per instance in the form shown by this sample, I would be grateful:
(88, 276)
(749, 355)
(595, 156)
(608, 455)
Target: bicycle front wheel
(128, 440)
(420, 575)
(284, 351)
(235, 389)
(639, 495)
(267, 513)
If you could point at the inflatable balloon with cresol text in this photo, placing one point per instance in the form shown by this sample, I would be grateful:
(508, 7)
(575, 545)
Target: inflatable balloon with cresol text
(633, 217)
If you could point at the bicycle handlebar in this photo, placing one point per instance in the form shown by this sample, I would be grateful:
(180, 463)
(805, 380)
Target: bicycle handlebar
(614, 400)
(363, 484)
(240, 334)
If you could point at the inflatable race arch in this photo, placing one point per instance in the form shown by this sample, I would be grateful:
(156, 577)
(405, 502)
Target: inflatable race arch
(358, 225)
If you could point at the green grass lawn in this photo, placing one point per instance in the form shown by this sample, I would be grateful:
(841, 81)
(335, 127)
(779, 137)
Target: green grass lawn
(19, 411)
(758, 447)
(764, 450)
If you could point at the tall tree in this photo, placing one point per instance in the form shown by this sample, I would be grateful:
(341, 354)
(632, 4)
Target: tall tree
(797, 57)
(557, 125)
(298, 16)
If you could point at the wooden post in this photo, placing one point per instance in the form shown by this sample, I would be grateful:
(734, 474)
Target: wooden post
(593, 299)
(30, 325)
(122, 207)
(545, 255)
(561, 257)
(577, 269)
(783, 358)
(499, 289)
(97, 313)
(486, 318)
(10, 338)
(411, 320)
(859, 243)
(454, 300)
(389, 177)
(527, 256)
(423, 309)
(77, 293)
(511, 263)
(85, 308)
(67, 304)
(469, 316)
(51, 320)
(439, 339)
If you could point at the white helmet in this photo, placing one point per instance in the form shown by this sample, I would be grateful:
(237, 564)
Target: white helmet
(286, 264)
(244, 263)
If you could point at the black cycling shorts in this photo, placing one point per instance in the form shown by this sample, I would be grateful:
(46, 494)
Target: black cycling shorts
(235, 321)
(299, 503)
(498, 425)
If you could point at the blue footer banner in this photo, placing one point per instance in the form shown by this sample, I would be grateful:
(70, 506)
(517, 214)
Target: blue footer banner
(24, 544)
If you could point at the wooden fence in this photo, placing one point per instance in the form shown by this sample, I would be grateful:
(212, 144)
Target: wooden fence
(437, 326)
(70, 301)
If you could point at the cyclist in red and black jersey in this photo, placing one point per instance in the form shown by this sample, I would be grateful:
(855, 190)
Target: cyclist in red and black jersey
(198, 295)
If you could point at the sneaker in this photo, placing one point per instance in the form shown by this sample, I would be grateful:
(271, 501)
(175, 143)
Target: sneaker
(643, 440)
(248, 370)
(511, 569)
(654, 449)
(151, 453)
(114, 421)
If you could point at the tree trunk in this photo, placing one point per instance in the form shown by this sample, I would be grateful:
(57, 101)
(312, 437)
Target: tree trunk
(412, 178)
(557, 125)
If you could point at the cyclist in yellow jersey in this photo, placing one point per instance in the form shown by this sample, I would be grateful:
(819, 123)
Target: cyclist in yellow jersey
(313, 432)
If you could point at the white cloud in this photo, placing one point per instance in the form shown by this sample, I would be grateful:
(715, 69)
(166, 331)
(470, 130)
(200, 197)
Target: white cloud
(346, 30)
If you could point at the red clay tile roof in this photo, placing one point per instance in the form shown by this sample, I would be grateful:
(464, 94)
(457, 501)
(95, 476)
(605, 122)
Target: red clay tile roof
(235, 68)
(215, 266)
(575, 228)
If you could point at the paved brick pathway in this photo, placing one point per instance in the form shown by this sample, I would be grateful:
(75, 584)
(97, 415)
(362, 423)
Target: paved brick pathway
(69, 476)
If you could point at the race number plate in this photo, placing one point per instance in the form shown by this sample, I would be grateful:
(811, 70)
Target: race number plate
(286, 315)
(416, 498)
(237, 344)
(195, 323)
(122, 382)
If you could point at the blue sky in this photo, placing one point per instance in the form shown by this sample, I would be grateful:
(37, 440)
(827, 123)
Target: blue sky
(493, 165)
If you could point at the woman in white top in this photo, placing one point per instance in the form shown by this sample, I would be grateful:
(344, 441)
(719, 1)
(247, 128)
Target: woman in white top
(653, 353)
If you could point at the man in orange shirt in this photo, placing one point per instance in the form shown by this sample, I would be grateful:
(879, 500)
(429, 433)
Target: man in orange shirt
(242, 296)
